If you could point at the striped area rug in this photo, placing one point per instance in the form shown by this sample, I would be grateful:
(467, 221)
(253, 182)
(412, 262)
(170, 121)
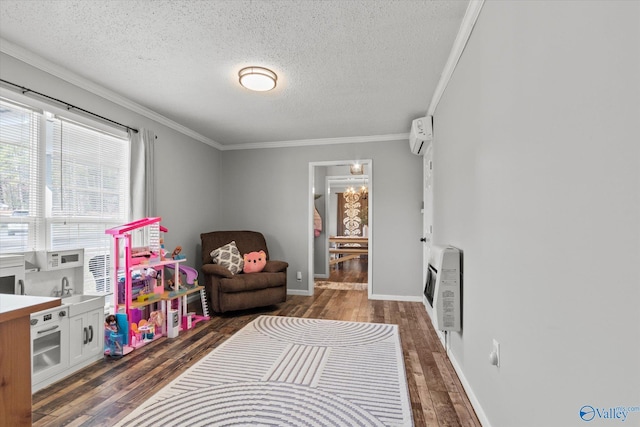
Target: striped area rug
(285, 371)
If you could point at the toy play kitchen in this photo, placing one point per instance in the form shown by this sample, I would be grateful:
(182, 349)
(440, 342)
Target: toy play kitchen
(12, 274)
(68, 337)
(49, 343)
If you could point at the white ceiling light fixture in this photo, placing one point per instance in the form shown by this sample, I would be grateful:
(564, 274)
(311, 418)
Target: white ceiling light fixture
(356, 169)
(257, 78)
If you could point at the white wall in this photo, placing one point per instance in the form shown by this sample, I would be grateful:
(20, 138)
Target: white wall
(537, 180)
(187, 170)
(267, 190)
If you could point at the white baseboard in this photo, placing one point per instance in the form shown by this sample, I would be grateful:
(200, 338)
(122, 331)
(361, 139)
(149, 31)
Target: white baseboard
(482, 417)
(395, 297)
(303, 292)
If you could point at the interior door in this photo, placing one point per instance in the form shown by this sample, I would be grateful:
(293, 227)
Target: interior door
(427, 212)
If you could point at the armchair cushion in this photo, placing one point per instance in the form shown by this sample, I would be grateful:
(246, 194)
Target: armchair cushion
(251, 282)
(275, 266)
(217, 269)
(228, 256)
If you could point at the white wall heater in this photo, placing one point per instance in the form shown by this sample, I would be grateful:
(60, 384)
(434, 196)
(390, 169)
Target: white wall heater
(443, 291)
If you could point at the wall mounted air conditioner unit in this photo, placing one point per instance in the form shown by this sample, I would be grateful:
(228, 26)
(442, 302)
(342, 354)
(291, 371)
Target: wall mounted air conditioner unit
(443, 290)
(421, 134)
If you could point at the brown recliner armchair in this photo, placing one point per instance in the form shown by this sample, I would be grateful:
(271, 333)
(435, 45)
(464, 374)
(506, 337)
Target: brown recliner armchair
(229, 292)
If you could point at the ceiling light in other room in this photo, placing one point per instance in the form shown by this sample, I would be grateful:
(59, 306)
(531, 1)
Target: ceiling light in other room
(257, 78)
(356, 169)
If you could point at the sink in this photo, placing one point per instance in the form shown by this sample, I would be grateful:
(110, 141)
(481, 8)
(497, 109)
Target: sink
(79, 304)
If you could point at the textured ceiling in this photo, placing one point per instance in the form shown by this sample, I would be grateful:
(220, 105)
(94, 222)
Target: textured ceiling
(346, 68)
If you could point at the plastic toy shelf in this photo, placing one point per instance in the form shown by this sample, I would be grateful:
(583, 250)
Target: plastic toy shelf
(151, 300)
(169, 295)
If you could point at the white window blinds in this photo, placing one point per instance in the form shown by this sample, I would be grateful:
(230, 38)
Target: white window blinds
(62, 183)
(20, 195)
(88, 180)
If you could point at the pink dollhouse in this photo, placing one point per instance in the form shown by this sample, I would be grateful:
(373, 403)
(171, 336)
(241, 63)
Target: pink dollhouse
(145, 309)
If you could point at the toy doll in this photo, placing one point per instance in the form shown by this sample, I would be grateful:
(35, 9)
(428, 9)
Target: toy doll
(110, 323)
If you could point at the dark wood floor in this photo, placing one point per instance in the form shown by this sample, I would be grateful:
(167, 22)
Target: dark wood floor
(108, 390)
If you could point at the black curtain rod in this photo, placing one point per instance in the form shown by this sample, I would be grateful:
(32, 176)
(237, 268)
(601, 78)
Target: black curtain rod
(69, 106)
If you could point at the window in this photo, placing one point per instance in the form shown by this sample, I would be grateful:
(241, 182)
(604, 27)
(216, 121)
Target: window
(62, 183)
(19, 196)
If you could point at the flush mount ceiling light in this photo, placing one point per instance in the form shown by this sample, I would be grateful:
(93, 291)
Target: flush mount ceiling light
(257, 78)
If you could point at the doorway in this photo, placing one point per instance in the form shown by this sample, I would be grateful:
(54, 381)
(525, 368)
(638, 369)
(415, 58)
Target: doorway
(340, 253)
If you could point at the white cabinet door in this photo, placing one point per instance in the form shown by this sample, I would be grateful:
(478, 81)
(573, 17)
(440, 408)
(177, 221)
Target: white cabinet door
(78, 337)
(95, 326)
(86, 336)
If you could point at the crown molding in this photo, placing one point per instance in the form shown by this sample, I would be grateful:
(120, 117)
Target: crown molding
(34, 60)
(37, 61)
(466, 26)
(318, 141)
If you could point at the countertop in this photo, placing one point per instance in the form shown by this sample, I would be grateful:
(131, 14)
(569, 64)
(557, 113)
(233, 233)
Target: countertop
(14, 306)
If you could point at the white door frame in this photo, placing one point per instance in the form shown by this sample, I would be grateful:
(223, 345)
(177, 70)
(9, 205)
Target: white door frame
(427, 210)
(310, 199)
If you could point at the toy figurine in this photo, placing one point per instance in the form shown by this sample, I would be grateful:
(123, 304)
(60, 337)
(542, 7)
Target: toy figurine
(176, 253)
(110, 323)
(156, 318)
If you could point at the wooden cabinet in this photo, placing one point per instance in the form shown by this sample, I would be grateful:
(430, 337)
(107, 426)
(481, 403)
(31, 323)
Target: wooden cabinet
(15, 350)
(86, 336)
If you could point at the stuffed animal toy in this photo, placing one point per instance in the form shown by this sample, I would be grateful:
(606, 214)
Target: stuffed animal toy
(254, 262)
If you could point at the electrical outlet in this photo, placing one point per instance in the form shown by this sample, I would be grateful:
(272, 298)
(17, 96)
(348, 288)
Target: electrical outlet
(494, 356)
(299, 276)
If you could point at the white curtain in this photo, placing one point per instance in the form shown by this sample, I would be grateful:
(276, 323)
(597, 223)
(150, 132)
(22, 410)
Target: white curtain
(142, 195)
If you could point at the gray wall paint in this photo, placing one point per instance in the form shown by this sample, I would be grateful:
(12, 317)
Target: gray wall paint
(188, 192)
(537, 180)
(187, 170)
(267, 190)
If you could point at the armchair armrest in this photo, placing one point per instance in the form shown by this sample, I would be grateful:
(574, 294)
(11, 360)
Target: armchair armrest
(275, 266)
(217, 270)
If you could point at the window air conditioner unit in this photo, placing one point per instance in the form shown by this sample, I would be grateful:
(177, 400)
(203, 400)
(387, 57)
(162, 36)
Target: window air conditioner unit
(421, 134)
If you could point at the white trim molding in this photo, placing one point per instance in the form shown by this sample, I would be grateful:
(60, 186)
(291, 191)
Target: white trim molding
(320, 141)
(395, 298)
(302, 292)
(468, 22)
(482, 417)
